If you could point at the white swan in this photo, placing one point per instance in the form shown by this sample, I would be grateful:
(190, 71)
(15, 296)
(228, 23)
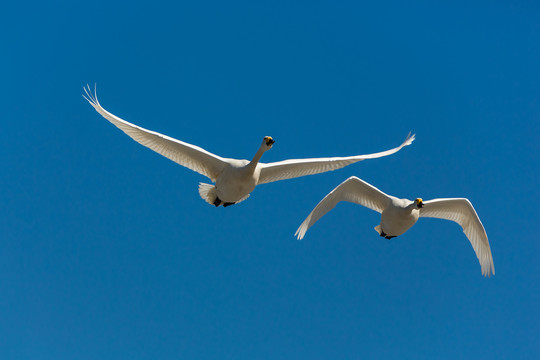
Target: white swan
(234, 179)
(398, 215)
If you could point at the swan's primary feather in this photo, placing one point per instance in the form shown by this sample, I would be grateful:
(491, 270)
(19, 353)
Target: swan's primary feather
(190, 156)
(289, 169)
(352, 190)
(462, 212)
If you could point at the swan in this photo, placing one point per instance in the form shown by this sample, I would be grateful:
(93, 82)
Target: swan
(399, 215)
(234, 179)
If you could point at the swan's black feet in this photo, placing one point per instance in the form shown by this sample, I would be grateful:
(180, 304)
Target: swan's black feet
(218, 202)
(383, 234)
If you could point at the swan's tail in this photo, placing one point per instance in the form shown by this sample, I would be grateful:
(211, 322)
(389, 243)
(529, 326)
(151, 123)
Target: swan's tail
(208, 193)
(378, 229)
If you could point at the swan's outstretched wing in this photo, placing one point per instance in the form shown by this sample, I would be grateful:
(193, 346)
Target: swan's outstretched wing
(290, 169)
(462, 212)
(352, 190)
(190, 156)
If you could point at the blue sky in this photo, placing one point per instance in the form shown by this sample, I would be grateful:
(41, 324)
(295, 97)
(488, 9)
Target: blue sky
(108, 252)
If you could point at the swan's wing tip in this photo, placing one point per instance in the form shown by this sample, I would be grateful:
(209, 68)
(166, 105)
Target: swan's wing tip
(410, 138)
(488, 269)
(301, 232)
(90, 96)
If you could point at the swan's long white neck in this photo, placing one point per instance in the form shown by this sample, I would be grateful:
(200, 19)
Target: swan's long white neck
(253, 164)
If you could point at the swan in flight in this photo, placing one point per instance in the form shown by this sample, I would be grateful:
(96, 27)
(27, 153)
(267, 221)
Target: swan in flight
(398, 215)
(234, 179)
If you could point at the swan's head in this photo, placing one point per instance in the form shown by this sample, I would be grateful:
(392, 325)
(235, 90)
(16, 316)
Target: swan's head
(268, 142)
(419, 203)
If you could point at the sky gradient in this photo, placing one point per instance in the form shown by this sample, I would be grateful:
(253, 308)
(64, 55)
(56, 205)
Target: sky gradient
(108, 252)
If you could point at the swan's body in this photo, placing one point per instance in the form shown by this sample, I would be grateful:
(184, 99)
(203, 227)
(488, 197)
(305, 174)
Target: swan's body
(238, 180)
(399, 215)
(234, 179)
(397, 218)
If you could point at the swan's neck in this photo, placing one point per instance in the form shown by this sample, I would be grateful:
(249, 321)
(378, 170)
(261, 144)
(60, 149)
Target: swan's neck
(253, 164)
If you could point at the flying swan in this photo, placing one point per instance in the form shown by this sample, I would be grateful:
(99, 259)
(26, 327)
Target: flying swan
(234, 179)
(399, 215)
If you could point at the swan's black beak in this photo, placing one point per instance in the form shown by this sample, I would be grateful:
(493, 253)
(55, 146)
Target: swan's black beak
(269, 141)
(420, 205)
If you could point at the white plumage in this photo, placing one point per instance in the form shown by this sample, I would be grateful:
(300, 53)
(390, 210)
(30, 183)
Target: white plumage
(399, 215)
(234, 179)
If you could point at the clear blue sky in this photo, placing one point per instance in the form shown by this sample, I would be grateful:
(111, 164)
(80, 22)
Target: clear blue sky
(108, 252)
